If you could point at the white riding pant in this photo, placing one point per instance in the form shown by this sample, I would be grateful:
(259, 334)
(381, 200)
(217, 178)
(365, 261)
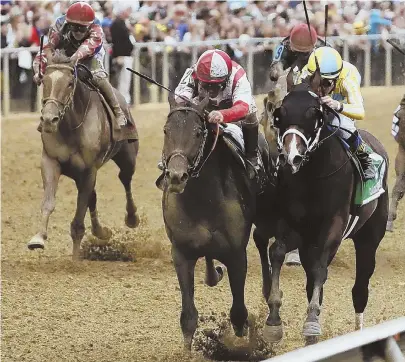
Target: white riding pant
(346, 123)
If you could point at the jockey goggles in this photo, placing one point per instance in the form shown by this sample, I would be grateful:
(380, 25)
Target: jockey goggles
(326, 83)
(77, 28)
(213, 86)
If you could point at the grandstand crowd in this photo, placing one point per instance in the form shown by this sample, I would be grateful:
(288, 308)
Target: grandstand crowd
(23, 22)
(177, 22)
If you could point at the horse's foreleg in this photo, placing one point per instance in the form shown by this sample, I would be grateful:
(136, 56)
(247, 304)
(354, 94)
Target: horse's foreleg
(237, 269)
(85, 186)
(213, 274)
(126, 161)
(399, 188)
(51, 171)
(189, 314)
(273, 329)
(315, 263)
(262, 245)
(97, 230)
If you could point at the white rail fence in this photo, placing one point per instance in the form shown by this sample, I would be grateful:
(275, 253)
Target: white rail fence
(375, 58)
(385, 341)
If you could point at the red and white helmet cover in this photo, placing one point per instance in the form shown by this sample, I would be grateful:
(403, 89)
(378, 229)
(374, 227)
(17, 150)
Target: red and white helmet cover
(213, 66)
(80, 13)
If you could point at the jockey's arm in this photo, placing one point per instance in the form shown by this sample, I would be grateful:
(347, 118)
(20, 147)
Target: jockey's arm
(186, 86)
(53, 40)
(91, 44)
(241, 99)
(354, 107)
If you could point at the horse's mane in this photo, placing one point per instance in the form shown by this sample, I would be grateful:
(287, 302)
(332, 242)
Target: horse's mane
(60, 58)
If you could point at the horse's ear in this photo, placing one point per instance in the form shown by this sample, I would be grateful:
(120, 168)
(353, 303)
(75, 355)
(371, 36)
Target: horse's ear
(315, 80)
(203, 104)
(312, 112)
(172, 101)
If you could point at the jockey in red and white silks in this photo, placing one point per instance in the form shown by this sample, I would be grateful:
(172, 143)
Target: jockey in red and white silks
(80, 36)
(225, 83)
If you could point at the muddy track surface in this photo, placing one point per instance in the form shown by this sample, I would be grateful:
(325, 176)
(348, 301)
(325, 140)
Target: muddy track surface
(56, 310)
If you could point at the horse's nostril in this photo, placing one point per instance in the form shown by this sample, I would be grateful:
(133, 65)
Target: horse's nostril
(297, 160)
(41, 119)
(55, 119)
(184, 177)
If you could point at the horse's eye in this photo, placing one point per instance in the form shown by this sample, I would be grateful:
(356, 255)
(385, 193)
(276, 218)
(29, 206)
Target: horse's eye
(164, 131)
(70, 85)
(198, 134)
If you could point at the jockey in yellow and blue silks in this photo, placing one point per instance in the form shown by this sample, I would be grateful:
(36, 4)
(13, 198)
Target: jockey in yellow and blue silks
(341, 86)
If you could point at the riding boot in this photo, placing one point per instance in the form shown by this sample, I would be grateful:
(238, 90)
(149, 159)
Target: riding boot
(358, 147)
(250, 136)
(108, 93)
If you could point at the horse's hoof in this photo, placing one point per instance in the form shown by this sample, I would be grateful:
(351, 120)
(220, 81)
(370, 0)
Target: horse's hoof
(103, 233)
(241, 332)
(37, 242)
(187, 344)
(390, 226)
(311, 340)
(292, 258)
(132, 221)
(312, 329)
(220, 271)
(273, 334)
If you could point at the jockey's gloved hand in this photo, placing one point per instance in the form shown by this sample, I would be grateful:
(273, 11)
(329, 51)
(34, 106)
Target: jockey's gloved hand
(37, 79)
(215, 117)
(336, 105)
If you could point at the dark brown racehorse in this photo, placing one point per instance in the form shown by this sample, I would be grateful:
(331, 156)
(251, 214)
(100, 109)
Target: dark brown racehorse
(76, 139)
(208, 208)
(314, 196)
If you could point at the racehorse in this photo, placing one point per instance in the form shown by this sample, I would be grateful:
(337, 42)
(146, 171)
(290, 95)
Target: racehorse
(76, 140)
(399, 188)
(208, 207)
(316, 185)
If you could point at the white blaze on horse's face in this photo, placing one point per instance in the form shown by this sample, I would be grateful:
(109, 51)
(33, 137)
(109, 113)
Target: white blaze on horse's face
(294, 148)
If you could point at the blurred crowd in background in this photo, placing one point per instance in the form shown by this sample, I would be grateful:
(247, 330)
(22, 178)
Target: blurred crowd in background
(174, 22)
(22, 22)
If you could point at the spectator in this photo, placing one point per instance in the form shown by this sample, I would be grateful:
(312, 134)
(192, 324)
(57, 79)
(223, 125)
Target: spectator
(122, 49)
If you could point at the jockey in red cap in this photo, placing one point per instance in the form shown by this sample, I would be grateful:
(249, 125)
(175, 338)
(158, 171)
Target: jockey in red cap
(80, 35)
(294, 50)
(225, 82)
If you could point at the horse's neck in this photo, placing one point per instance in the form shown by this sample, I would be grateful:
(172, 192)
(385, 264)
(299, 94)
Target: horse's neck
(76, 113)
(327, 157)
(218, 167)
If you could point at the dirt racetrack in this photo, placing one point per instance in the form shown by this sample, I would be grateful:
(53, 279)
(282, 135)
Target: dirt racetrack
(57, 310)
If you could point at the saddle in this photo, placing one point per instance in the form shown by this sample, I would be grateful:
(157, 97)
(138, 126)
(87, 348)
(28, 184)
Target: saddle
(236, 146)
(366, 190)
(129, 131)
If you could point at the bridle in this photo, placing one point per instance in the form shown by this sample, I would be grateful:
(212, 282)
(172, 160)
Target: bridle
(199, 161)
(64, 106)
(311, 143)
